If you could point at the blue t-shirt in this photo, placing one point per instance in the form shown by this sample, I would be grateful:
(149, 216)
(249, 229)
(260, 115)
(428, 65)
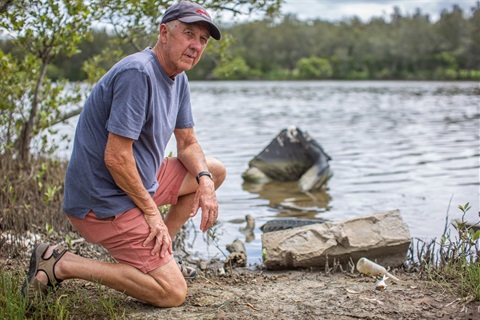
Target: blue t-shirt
(135, 99)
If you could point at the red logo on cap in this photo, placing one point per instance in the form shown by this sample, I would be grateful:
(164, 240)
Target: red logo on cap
(200, 11)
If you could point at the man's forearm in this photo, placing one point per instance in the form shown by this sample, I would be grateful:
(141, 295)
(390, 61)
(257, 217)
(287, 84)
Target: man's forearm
(131, 184)
(193, 158)
(122, 166)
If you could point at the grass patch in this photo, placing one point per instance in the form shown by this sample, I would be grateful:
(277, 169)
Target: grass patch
(454, 261)
(65, 303)
(461, 278)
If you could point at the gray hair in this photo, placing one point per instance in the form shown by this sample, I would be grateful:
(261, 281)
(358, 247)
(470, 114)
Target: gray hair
(172, 24)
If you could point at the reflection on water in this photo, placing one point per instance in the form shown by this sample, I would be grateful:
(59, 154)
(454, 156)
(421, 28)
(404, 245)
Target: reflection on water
(412, 146)
(289, 201)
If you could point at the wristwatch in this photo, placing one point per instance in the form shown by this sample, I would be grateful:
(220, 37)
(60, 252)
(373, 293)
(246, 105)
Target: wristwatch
(203, 173)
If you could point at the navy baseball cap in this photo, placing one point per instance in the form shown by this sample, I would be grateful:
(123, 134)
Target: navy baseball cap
(189, 12)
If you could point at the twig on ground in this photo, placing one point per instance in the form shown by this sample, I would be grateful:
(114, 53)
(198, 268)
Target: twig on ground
(456, 300)
(351, 264)
(216, 284)
(327, 268)
(251, 306)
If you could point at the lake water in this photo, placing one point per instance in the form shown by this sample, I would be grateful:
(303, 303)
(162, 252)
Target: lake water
(412, 146)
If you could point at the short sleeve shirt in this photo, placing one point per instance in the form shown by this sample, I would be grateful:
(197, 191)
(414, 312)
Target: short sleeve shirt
(135, 99)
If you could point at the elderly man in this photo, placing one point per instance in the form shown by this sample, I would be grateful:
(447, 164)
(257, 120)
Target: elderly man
(118, 176)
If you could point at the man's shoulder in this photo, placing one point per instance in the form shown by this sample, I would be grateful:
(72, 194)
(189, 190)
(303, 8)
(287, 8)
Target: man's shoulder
(141, 61)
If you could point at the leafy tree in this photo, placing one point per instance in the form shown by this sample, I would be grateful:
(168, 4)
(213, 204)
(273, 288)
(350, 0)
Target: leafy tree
(237, 69)
(452, 29)
(46, 30)
(473, 43)
(12, 88)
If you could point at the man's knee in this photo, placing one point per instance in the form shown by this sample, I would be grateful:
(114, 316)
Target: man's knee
(178, 295)
(172, 297)
(217, 168)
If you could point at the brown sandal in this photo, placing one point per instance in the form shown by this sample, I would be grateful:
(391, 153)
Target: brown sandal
(31, 286)
(189, 273)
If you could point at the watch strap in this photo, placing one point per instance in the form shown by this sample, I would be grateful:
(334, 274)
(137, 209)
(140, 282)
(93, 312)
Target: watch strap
(203, 173)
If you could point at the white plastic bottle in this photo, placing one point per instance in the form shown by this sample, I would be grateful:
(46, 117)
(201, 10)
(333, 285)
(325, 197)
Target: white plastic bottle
(371, 268)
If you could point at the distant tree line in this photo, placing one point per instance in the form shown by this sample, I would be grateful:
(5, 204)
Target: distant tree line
(405, 47)
(409, 47)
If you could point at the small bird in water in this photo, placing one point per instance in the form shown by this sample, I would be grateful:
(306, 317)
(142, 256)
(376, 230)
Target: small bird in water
(381, 285)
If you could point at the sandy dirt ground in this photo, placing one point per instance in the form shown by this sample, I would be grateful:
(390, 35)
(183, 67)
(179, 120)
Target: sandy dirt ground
(253, 294)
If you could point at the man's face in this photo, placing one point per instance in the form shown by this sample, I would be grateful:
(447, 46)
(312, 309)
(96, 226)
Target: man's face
(185, 44)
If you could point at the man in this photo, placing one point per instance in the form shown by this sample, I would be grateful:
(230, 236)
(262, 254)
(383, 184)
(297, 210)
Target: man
(118, 176)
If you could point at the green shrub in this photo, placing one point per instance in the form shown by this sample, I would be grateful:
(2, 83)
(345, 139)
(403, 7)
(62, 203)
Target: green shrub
(314, 68)
(457, 266)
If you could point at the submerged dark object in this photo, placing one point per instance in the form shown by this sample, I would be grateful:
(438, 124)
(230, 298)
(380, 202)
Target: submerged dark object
(284, 224)
(291, 156)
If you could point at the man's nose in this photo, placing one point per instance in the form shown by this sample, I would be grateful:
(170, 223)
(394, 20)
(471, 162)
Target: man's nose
(196, 44)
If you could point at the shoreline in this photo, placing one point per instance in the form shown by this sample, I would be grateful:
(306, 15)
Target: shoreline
(253, 293)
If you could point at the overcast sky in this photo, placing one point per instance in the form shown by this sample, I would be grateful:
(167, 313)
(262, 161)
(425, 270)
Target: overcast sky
(334, 10)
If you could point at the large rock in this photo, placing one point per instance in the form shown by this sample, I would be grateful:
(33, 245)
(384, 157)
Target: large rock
(382, 236)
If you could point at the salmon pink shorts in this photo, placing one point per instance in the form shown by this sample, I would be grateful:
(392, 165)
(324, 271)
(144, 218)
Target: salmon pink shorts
(123, 235)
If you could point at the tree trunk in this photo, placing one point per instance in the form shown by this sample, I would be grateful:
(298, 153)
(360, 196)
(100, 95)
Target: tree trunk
(27, 129)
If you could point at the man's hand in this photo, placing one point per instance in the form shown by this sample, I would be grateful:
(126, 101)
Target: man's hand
(206, 199)
(159, 234)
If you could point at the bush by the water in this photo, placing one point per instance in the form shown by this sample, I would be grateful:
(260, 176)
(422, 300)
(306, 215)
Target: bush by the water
(31, 201)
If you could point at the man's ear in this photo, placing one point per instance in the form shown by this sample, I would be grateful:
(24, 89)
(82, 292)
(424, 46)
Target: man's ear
(163, 33)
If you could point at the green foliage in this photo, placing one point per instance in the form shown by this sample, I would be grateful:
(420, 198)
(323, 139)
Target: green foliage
(461, 278)
(467, 234)
(15, 85)
(454, 261)
(407, 47)
(459, 259)
(69, 241)
(12, 304)
(42, 27)
(43, 30)
(314, 68)
(358, 75)
(97, 65)
(49, 230)
(237, 69)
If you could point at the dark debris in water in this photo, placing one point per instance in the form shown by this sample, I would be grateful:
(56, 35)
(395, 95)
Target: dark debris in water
(284, 224)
